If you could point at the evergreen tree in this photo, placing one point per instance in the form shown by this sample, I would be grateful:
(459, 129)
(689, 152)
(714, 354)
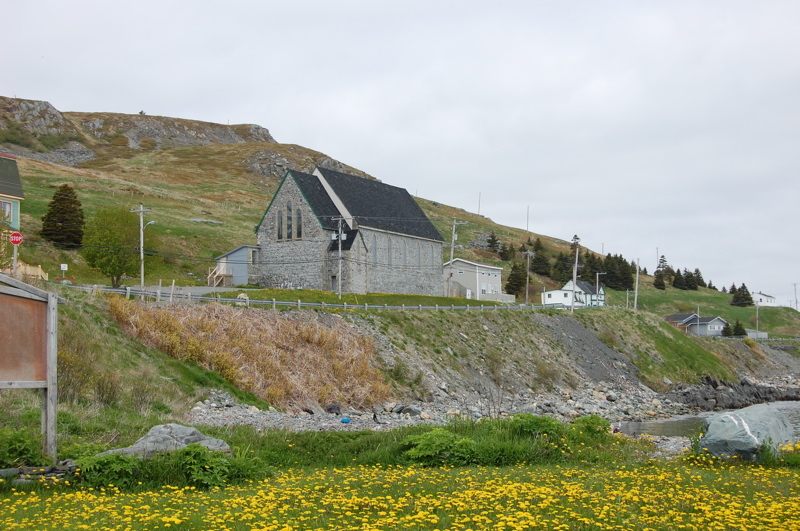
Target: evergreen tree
(710, 285)
(724, 289)
(517, 279)
(63, 223)
(742, 297)
(732, 290)
(689, 280)
(698, 277)
(658, 281)
(738, 329)
(540, 264)
(678, 281)
(494, 242)
(727, 331)
(562, 268)
(507, 252)
(538, 246)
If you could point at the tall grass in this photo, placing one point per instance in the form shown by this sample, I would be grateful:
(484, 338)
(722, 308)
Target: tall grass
(286, 361)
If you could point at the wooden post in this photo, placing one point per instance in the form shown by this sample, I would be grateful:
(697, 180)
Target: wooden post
(51, 391)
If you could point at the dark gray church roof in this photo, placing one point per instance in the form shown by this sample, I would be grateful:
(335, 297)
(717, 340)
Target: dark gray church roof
(10, 183)
(373, 204)
(381, 206)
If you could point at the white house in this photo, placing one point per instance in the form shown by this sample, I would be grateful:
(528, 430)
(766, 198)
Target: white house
(475, 281)
(762, 299)
(586, 294)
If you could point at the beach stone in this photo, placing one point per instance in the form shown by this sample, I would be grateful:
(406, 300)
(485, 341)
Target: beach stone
(743, 432)
(169, 437)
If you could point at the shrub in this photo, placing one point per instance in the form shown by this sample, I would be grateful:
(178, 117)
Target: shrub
(531, 426)
(591, 427)
(20, 448)
(440, 447)
(110, 469)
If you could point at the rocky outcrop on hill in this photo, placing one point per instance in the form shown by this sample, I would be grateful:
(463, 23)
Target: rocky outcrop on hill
(170, 131)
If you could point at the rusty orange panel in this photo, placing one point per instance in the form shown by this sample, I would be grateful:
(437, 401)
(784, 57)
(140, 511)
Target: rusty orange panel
(23, 339)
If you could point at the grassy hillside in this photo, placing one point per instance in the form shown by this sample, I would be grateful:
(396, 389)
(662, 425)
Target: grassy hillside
(207, 199)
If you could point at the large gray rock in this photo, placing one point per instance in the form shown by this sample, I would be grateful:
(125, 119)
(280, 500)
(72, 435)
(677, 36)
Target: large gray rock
(743, 432)
(169, 437)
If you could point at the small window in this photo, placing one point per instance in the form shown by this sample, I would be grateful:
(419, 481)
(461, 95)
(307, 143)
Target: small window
(280, 224)
(289, 220)
(5, 209)
(549, 295)
(460, 271)
(299, 224)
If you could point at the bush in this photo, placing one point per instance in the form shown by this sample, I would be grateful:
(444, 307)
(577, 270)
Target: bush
(20, 448)
(440, 447)
(531, 426)
(194, 466)
(592, 427)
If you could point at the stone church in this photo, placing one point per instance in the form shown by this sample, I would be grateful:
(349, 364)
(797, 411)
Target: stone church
(330, 231)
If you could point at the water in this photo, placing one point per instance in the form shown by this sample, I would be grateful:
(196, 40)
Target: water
(690, 424)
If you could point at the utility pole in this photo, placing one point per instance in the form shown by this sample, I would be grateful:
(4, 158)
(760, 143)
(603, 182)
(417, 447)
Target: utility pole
(528, 253)
(452, 248)
(636, 293)
(597, 287)
(795, 295)
(142, 225)
(575, 272)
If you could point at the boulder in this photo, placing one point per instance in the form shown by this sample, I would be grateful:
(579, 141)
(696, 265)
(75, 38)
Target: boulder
(169, 437)
(743, 432)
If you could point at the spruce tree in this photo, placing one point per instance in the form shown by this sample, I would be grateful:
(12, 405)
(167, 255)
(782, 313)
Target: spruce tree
(516, 280)
(698, 277)
(494, 242)
(738, 329)
(727, 331)
(677, 281)
(540, 264)
(689, 280)
(658, 281)
(63, 223)
(742, 297)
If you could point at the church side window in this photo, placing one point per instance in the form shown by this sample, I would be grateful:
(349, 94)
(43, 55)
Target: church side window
(289, 220)
(280, 224)
(299, 223)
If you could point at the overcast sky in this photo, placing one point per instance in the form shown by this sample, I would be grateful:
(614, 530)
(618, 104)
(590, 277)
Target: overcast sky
(645, 128)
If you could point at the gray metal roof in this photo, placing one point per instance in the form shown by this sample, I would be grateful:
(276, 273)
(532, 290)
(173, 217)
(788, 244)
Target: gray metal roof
(10, 183)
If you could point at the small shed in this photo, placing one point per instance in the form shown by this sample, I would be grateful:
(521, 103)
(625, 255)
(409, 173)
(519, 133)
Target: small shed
(233, 267)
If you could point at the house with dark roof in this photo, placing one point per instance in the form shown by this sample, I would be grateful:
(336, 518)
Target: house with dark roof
(330, 231)
(585, 294)
(10, 190)
(694, 324)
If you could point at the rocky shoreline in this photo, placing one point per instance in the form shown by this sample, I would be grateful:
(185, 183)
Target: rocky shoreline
(634, 403)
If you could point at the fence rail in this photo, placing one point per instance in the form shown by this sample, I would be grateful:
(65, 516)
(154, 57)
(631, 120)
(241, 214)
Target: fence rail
(170, 296)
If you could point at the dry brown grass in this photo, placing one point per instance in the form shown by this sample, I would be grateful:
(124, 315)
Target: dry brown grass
(288, 361)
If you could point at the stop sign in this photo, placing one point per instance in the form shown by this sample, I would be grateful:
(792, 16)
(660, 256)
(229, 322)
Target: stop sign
(15, 238)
